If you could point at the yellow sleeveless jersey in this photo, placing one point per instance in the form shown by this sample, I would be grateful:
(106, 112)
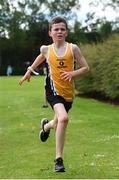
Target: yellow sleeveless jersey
(56, 65)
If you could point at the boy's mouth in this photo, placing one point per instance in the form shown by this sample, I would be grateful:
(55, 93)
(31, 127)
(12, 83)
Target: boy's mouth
(59, 36)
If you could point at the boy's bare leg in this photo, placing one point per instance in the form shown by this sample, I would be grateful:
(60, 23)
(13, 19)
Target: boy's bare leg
(59, 123)
(62, 117)
(52, 124)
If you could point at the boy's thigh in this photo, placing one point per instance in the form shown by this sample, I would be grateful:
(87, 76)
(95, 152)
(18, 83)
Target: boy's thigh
(60, 110)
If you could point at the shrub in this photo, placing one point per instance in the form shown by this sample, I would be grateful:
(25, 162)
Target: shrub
(103, 77)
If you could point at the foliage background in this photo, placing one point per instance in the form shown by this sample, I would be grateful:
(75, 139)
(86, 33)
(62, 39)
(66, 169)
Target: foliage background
(24, 28)
(103, 78)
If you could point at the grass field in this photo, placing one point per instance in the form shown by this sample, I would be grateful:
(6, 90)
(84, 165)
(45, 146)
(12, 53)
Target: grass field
(92, 139)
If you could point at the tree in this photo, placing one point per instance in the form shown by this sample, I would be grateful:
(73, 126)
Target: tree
(106, 29)
(4, 16)
(23, 27)
(112, 3)
(62, 7)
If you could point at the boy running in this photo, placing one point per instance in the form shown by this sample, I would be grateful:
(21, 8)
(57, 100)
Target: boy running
(59, 86)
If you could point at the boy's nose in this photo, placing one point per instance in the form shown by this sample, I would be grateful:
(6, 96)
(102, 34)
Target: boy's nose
(59, 30)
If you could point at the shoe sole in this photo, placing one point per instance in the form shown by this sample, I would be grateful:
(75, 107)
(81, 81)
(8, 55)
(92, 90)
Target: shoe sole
(41, 127)
(40, 136)
(61, 170)
(41, 124)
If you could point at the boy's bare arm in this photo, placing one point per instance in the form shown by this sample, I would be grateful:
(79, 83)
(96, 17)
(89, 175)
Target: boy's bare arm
(41, 58)
(35, 64)
(82, 62)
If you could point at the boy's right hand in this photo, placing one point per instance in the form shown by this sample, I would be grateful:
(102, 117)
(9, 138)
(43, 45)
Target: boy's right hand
(25, 77)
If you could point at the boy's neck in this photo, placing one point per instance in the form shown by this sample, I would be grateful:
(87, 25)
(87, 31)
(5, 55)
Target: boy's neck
(60, 44)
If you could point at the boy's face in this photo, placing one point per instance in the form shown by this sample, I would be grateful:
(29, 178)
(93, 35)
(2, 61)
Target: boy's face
(58, 32)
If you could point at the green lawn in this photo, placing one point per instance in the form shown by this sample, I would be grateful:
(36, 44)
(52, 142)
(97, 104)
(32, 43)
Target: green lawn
(92, 139)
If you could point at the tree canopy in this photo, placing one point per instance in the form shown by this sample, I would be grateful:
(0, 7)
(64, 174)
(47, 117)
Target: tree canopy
(24, 28)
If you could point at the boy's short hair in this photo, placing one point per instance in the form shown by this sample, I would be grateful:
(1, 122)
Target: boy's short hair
(56, 20)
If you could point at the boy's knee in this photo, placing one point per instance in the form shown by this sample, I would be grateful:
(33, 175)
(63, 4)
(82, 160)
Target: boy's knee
(64, 119)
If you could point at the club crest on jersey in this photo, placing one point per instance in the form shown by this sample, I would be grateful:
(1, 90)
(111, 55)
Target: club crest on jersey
(61, 63)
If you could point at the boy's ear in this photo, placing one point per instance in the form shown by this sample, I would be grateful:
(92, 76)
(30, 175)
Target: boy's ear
(49, 32)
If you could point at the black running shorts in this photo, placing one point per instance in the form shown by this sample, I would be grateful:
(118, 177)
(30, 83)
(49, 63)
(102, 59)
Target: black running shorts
(54, 99)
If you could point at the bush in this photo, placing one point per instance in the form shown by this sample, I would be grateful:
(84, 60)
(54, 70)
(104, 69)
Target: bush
(103, 78)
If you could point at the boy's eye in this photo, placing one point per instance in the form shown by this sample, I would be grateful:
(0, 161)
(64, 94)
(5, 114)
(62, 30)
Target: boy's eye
(62, 29)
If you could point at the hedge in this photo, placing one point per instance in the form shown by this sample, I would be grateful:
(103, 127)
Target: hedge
(103, 78)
